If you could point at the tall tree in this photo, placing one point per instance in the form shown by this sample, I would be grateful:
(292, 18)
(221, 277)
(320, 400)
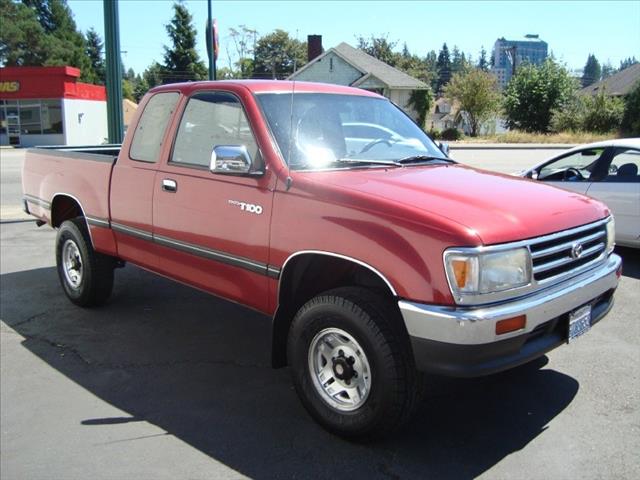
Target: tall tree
(534, 93)
(277, 55)
(476, 92)
(607, 70)
(96, 57)
(483, 63)
(23, 41)
(592, 71)
(181, 61)
(66, 43)
(380, 48)
(244, 41)
(41, 33)
(431, 65)
(627, 62)
(444, 68)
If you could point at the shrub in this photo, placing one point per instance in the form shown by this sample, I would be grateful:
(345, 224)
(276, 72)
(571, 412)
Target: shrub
(451, 134)
(602, 113)
(631, 116)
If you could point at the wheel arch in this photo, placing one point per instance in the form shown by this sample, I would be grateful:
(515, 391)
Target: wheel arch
(307, 273)
(65, 206)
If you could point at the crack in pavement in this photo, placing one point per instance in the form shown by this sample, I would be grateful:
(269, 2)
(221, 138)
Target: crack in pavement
(140, 365)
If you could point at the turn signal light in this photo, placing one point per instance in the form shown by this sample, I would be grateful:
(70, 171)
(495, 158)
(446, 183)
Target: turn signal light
(461, 272)
(511, 324)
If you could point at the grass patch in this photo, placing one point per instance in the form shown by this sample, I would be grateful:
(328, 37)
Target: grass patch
(515, 136)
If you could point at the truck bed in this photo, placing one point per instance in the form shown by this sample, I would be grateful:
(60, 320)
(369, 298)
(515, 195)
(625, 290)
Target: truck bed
(79, 172)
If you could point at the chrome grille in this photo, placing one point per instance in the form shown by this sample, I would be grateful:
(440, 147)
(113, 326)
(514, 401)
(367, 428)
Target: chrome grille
(562, 253)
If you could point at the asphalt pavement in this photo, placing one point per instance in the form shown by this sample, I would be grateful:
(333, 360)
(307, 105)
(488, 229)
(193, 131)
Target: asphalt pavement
(167, 382)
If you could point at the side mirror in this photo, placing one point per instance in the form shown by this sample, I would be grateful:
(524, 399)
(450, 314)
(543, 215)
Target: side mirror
(230, 159)
(444, 148)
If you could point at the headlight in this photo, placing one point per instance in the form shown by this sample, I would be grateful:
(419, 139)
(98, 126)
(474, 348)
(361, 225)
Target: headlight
(487, 272)
(611, 234)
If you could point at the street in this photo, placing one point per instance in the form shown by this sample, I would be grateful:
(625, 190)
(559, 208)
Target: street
(168, 382)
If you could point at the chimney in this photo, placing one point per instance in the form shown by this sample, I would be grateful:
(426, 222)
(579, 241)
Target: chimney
(314, 46)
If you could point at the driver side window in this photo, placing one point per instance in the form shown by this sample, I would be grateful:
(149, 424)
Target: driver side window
(577, 166)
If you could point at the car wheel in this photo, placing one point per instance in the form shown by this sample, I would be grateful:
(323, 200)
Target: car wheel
(86, 275)
(351, 363)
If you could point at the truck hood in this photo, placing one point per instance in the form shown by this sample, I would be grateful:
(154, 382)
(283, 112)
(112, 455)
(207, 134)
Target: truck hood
(498, 208)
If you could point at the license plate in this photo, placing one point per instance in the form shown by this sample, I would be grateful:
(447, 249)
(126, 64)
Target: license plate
(579, 322)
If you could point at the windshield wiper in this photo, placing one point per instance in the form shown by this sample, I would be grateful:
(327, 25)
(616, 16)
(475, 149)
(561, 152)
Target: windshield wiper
(395, 163)
(423, 158)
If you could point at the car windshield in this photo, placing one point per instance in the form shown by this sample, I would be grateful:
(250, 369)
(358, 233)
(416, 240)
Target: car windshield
(320, 130)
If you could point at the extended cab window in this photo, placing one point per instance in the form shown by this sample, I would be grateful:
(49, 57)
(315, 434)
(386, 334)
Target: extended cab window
(211, 119)
(149, 133)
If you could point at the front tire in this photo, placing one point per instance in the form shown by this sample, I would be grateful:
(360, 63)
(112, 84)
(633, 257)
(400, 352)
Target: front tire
(351, 363)
(86, 276)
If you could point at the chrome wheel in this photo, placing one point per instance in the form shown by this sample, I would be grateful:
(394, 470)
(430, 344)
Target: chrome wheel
(339, 369)
(72, 264)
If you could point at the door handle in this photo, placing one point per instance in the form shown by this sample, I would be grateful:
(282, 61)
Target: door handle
(169, 185)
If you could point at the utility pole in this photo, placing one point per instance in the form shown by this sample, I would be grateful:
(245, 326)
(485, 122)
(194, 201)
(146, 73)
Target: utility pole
(210, 42)
(114, 71)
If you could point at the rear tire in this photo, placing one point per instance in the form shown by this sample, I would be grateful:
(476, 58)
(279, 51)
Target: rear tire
(351, 363)
(86, 276)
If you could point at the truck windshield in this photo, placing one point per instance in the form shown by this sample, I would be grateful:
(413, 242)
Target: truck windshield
(321, 130)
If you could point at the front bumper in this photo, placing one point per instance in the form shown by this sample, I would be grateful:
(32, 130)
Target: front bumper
(461, 341)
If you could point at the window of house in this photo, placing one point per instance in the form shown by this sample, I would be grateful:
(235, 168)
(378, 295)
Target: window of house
(211, 119)
(149, 134)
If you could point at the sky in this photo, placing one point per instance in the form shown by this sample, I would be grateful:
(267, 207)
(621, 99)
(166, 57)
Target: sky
(573, 29)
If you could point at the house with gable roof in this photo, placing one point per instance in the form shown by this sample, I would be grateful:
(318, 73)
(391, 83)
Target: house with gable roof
(346, 65)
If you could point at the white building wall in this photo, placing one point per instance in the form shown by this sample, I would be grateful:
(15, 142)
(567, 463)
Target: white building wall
(401, 98)
(85, 122)
(330, 69)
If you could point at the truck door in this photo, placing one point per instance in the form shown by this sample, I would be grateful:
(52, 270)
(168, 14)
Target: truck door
(133, 179)
(212, 229)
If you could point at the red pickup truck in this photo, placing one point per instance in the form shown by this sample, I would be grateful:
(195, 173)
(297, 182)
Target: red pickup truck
(326, 208)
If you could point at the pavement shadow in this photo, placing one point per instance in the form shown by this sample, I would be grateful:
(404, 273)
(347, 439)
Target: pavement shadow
(630, 261)
(198, 367)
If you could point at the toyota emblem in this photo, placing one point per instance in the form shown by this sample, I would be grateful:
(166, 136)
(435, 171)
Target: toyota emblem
(576, 250)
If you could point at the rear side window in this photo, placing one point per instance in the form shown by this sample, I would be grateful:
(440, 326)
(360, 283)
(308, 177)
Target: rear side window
(147, 139)
(211, 119)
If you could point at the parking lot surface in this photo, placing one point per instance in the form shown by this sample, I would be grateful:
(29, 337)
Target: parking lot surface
(168, 382)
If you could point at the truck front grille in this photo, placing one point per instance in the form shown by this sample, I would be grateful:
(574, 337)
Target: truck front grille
(565, 252)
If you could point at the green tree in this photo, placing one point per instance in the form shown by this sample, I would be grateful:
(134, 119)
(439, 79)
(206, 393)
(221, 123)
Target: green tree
(66, 44)
(592, 71)
(244, 41)
(431, 66)
(443, 66)
(627, 62)
(94, 52)
(607, 70)
(153, 75)
(603, 113)
(140, 87)
(631, 116)
(41, 33)
(277, 55)
(23, 41)
(534, 92)
(127, 90)
(459, 62)
(380, 48)
(181, 61)
(483, 64)
(476, 92)
(571, 116)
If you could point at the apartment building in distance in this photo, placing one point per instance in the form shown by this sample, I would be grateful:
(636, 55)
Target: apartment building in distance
(530, 49)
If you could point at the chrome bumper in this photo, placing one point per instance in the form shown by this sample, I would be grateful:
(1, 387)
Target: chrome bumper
(477, 325)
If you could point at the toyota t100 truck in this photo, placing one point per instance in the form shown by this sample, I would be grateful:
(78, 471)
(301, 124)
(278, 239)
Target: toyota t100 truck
(329, 210)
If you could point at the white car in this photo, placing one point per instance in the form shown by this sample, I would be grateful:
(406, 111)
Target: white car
(608, 171)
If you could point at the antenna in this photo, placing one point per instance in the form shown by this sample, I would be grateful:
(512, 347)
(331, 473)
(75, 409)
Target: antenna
(289, 181)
